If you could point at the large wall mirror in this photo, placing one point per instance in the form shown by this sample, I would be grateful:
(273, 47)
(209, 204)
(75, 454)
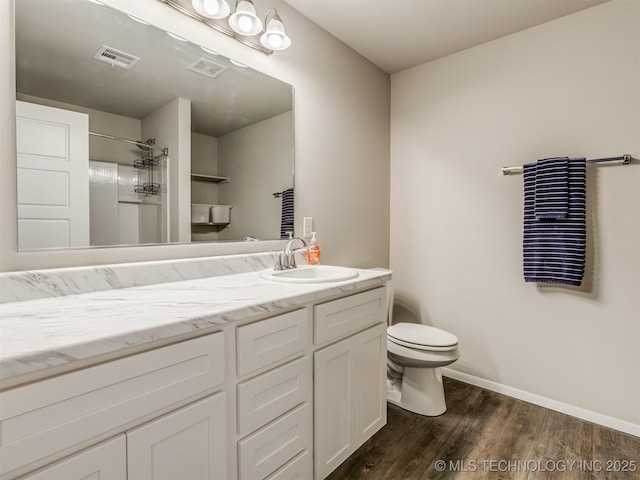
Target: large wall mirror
(128, 135)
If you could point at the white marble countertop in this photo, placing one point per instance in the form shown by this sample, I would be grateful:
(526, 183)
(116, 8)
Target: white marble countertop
(36, 335)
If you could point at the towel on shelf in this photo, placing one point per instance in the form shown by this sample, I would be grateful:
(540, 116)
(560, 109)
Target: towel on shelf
(554, 249)
(286, 224)
(552, 188)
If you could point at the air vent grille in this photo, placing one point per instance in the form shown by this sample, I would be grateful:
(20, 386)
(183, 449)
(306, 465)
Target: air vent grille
(207, 68)
(116, 58)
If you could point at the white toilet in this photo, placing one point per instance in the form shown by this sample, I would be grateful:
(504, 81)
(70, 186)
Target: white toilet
(414, 353)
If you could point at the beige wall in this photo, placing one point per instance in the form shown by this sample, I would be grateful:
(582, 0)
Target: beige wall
(204, 160)
(341, 137)
(568, 87)
(170, 126)
(257, 167)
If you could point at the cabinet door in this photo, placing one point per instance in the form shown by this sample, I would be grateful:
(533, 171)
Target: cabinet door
(370, 395)
(106, 460)
(190, 443)
(333, 420)
(349, 396)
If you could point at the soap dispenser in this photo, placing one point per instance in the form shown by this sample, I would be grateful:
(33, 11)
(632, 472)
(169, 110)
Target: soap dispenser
(314, 250)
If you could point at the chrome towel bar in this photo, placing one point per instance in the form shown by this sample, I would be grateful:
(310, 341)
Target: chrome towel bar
(625, 159)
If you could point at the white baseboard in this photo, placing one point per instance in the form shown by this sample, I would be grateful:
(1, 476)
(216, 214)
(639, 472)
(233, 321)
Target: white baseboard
(588, 415)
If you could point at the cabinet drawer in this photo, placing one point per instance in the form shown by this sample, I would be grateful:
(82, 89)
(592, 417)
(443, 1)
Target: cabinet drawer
(272, 340)
(107, 460)
(341, 317)
(299, 468)
(45, 418)
(268, 396)
(263, 452)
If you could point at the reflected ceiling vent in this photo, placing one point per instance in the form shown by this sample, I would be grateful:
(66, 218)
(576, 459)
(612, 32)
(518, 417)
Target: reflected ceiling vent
(116, 58)
(207, 67)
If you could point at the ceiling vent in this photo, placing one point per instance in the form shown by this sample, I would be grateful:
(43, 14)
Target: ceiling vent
(207, 68)
(116, 58)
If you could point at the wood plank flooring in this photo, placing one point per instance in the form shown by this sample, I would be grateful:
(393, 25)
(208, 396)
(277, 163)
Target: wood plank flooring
(486, 435)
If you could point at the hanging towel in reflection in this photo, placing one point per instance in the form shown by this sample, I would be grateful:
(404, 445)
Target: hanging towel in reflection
(554, 249)
(551, 198)
(286, 225)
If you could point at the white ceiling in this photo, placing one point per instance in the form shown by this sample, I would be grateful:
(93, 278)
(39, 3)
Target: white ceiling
(399, 34)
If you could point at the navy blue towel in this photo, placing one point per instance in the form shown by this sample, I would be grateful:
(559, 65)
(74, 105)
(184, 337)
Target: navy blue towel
(554, 249)
(552, 188)
(286, 225)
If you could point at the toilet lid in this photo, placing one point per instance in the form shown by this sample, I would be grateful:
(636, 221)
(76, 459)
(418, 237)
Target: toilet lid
(421, 335)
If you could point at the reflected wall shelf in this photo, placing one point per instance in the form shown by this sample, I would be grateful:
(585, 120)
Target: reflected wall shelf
(209, 178)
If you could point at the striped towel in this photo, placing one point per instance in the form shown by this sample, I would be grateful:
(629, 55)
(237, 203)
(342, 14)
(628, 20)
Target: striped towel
(552, 188)
(554, 249)
(286, 225)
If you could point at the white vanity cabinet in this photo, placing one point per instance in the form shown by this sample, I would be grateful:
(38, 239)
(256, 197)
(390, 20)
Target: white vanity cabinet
(350, 376)
(290, 395)
(45, 422)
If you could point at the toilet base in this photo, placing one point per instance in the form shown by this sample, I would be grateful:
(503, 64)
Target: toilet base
(421, 391)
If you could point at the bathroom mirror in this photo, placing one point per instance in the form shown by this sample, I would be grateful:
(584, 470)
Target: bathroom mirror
(89, 77)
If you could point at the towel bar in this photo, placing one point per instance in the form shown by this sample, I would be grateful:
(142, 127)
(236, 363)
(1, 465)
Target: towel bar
(625, 159)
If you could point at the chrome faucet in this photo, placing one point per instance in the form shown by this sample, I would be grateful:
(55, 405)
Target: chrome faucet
(287, 258)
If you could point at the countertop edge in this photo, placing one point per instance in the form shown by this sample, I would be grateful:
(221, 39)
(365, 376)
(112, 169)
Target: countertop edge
(39, 365)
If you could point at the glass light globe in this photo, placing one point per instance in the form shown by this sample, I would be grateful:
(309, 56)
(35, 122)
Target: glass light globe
(275, 40)
(245, 23)
(244, 20)
(275, 37)
(210, 7)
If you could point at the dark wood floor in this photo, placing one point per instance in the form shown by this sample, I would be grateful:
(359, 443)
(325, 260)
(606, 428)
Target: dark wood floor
(486, 435)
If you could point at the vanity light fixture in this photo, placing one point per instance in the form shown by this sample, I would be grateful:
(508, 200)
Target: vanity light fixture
(241, 22)
(274, 36)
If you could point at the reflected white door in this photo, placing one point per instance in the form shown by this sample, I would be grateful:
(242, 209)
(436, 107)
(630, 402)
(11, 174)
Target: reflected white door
(53, 177)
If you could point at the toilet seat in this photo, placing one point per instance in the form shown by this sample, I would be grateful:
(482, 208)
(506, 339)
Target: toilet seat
(421, 337)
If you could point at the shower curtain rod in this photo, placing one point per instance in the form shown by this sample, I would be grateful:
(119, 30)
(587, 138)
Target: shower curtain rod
(625, 159)
(164, 151)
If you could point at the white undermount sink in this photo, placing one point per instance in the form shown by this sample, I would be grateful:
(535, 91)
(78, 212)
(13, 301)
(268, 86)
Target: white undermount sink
(311, 274)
